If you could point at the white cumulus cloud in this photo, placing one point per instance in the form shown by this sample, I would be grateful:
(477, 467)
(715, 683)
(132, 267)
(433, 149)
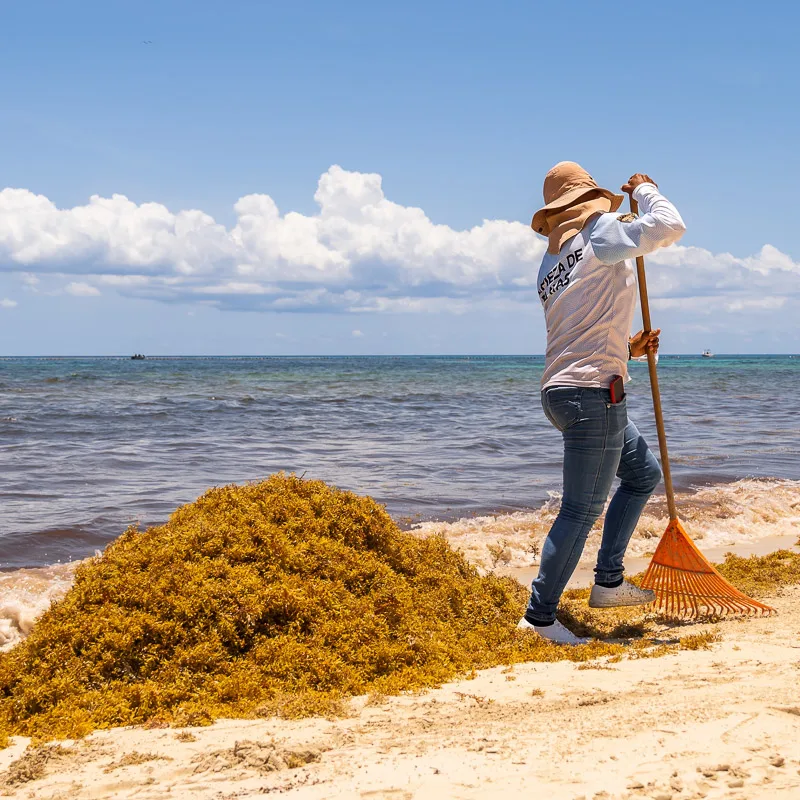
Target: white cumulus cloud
(7, 303)
(360, 252)
(81, 289)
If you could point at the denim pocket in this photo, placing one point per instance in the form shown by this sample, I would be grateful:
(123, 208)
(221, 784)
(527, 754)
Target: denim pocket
(618, 413)
(562, 406)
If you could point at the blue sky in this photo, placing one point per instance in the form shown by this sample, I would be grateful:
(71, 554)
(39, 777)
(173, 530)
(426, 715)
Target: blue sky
(237, 114)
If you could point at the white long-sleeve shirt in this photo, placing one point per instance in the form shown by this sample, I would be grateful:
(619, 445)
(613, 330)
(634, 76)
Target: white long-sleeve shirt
(589, 291)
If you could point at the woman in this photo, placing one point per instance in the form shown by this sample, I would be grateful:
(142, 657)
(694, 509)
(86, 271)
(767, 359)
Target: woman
(587, 285)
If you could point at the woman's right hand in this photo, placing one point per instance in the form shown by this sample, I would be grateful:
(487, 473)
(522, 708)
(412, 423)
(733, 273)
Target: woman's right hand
(643, 343)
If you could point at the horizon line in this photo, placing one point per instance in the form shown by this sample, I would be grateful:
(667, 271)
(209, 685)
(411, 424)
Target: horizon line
(129, 357)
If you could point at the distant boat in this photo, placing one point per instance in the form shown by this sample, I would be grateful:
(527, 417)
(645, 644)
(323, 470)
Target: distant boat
(137, 357)
(707, 354)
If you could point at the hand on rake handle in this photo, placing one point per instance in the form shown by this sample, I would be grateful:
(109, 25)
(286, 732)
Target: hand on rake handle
(635, 180)
(641, 343)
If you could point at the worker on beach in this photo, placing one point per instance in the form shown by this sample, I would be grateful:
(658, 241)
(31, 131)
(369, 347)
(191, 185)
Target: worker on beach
(587, 285)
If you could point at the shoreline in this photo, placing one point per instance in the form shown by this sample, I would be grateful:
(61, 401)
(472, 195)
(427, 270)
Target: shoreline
(685, 490)
(718, 517)
(744, 516)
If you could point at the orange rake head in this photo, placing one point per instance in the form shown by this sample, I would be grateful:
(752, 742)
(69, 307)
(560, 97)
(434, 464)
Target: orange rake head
(688, 586)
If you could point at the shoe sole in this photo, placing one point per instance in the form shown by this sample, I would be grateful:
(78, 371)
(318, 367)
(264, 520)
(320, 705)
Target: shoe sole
(562, 644)
(595, 604)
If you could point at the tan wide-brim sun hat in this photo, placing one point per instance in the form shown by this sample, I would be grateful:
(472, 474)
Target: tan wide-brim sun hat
(564, 185)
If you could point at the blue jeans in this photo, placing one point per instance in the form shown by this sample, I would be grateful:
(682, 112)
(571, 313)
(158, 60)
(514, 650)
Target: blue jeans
(599, 443)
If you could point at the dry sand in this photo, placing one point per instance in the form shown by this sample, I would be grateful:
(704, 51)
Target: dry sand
(721, 723)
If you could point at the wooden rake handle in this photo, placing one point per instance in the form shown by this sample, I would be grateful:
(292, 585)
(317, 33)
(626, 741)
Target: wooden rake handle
(651, 366)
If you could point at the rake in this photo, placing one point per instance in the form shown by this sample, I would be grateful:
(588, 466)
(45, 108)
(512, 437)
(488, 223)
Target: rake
(685, 582)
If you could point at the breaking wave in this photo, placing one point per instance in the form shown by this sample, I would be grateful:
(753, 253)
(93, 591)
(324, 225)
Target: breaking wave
(716, 516)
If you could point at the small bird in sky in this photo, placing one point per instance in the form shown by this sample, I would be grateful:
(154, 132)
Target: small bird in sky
(147, 41)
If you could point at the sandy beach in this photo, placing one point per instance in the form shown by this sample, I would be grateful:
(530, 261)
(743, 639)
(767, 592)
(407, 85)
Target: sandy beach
(718, 723)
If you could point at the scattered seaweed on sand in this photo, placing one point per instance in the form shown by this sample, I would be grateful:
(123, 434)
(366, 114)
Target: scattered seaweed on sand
(700, 641)
(32, 764)
(761, 575)
(262, 757)
(281, 597)
(36, 762)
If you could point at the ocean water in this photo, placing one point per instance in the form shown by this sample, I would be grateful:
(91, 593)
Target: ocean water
(458, 444)
(91, 445)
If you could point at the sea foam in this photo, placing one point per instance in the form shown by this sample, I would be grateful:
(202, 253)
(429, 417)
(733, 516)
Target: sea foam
(723, 515)
(27, 593)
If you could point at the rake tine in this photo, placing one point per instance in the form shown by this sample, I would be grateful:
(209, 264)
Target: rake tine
(687, 585)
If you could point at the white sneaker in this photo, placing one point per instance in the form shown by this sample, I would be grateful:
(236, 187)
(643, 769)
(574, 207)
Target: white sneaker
(556, 632)
(626, 594)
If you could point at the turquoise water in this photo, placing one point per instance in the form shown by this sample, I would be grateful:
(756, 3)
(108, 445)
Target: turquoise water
(89, 445)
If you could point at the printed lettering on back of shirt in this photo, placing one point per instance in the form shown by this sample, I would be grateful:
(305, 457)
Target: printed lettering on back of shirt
(560, 275)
